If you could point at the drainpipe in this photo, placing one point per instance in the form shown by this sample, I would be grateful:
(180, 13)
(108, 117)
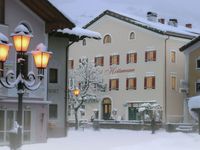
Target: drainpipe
(165, 78)
(66, 86)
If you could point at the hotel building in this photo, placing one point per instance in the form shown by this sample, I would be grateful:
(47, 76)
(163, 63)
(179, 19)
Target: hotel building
(141, 63)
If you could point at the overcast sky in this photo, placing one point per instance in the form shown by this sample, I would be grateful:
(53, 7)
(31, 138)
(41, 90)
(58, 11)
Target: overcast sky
(82, 11)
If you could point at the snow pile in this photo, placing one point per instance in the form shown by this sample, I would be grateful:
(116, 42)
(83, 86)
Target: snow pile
(112, 139)
(194, 102)
(81, 32)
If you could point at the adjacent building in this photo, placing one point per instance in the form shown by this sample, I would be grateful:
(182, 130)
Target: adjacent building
(191, 51)
(41, 18)
(141, 62)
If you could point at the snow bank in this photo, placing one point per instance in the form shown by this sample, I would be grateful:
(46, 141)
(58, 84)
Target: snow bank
(194, 102)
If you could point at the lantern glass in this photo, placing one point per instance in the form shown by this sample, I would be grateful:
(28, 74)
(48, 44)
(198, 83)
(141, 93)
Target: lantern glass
(4, 49)
(21, 42)
(76, 92)
(41, 59)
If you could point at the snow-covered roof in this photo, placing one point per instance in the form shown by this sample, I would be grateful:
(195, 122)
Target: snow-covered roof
(80, 32)
(179, 31)
(194, 41)
(194, 103)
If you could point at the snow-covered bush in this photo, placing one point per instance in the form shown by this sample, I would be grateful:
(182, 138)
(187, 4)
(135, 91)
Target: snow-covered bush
(194, 103)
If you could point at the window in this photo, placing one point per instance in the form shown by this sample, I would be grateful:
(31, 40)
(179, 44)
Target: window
(132, 35)
(198, 63)
(131, 83)
(197, 87)
(150, 56)
(2, 68)
(69, 110)
(84, 42)
(53, 78)
(24, 62)
(99, 61)
(173, 82)
(107, 39)
(70, 64)
(173, 56)
(131, 58)
(27, 125)
(114, 84)
(114, 59)
(53, 111)
(149, 82)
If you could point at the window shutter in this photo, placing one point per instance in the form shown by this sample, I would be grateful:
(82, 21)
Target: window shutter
(135, 83)
(127, 60)
(153, 82)
(72, 64)
(126, 83)
(145, 82)
(154, 55)
(145, 56)
(135, 59)
(95, 61)
(117, 84)
(102, 61)
(118, 59)
(110, 60)
(110, 85)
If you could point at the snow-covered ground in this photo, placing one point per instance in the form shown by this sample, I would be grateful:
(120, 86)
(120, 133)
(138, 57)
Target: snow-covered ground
(112, 139)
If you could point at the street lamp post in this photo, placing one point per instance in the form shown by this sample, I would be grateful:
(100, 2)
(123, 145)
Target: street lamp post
(22, 81)
(76, 93)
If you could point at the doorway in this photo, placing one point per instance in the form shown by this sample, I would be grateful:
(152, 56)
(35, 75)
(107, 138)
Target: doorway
(106, 106)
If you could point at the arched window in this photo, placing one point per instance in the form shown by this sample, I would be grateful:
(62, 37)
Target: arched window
(84, 42)
(132, 35)
(107, 39)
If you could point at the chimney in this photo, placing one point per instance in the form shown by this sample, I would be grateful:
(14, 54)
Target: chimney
(161, 20)
(152, 16)
(188, 25)
(173, 22)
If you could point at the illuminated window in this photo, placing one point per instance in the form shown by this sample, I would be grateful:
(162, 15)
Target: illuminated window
(149, 82)
(132, 35)
(173, 82)
(131, 83)
(131, 58)
(99, 61)
(70, 64)
(150, 56)
(107, 39)
(114, 59)
(173, 56)
(114, 84)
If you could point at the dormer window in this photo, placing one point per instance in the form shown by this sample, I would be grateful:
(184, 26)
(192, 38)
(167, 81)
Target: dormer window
(107, 39)
(132, 36)
(84, 42)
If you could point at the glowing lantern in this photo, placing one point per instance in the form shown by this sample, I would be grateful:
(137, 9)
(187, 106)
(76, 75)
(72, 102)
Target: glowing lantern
(76, 92)
(21, 38)
(41, 56)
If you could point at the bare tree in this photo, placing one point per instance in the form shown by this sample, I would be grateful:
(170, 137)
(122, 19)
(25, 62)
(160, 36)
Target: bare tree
(88, 78)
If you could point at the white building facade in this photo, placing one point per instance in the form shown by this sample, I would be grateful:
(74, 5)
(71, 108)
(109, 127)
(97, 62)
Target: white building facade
(141, 64)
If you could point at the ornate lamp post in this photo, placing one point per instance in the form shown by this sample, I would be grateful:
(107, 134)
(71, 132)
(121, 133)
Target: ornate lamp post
(22, 81)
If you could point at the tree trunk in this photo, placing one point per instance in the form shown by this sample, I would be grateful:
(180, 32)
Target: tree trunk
(76, 119)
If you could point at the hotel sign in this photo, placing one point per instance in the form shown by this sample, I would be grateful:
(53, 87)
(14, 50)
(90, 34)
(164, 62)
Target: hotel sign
(116, 69)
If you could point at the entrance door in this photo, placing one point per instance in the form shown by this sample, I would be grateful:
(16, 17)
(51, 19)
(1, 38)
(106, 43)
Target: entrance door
(106, 109)
(132, 113)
